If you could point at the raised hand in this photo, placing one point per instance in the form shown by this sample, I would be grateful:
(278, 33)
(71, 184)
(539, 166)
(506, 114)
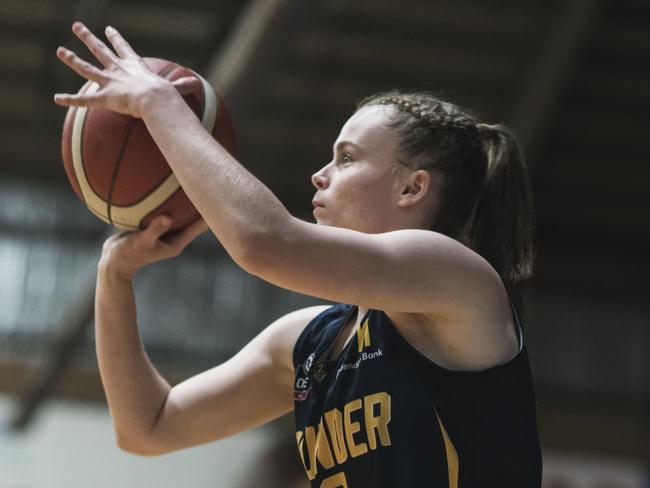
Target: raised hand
(125, 253)
(125, 84)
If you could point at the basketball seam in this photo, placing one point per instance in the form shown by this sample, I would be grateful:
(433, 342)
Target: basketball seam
(109, 202)
(90, 196)
(118, 164)
(83, 160)
(170, 197)
(154, 188)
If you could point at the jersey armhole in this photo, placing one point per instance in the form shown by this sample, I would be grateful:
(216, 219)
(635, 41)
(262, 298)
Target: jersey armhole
(298, 346)
(515, 313)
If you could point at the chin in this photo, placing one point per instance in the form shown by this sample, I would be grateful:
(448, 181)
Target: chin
(321, 219)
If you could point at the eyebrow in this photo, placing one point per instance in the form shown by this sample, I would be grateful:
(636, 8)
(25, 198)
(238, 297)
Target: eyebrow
(342, 144)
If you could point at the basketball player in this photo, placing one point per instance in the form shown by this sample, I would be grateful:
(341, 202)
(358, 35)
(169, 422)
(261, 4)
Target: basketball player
(420, 376)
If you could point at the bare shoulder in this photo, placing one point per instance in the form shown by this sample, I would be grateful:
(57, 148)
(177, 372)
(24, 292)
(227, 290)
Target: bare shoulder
(478, 332)
(470, 325)
(282, 334)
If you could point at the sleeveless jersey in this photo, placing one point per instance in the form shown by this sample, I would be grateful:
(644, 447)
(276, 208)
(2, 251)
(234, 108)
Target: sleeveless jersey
(384, 415)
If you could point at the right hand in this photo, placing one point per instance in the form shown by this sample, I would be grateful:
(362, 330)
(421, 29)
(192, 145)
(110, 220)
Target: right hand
(126, 83)
(125, 253)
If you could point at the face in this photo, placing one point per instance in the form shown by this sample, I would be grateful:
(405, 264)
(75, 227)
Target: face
(359, 188)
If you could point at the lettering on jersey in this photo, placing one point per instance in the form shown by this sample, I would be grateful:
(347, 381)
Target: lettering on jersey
(363, 335)
(303, 385)
(335, 481)
(362, 426)
(364, 356)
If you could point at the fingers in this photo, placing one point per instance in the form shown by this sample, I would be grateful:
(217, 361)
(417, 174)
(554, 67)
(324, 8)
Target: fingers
(154, 243)
(156, 228)
(188, 234)
(122, 48)
(80, 66)
(199, 226)
(180, 238)
(103, 54)
(79, 99)
(165, 245)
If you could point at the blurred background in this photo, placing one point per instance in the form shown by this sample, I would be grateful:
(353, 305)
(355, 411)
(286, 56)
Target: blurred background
(571, 77)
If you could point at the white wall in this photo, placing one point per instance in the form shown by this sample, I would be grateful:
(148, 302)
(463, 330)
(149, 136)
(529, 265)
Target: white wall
(72, 445)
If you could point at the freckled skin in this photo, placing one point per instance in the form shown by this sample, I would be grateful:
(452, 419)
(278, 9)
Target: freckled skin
(361, 193)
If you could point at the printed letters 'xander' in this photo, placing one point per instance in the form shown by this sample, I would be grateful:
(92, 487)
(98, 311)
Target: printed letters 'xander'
(340, 435)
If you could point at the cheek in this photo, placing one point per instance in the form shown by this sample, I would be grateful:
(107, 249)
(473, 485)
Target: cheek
(367, 195)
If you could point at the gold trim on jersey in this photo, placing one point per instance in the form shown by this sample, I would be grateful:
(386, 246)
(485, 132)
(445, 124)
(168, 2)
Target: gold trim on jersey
(363, 335)
(452, 456)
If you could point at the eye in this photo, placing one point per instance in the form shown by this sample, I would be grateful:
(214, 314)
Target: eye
(346, 159)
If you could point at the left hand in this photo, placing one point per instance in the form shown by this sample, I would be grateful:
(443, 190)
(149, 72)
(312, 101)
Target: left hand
(126, 84)
(125, 253)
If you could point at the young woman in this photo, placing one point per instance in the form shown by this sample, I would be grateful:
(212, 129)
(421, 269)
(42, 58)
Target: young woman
(423, 221)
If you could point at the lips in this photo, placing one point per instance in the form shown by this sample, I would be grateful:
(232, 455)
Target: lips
(316, 204)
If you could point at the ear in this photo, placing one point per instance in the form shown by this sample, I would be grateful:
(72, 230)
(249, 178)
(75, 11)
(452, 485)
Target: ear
(416, 186)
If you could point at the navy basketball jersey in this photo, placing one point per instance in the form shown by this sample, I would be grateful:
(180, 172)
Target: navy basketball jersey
(383, 415)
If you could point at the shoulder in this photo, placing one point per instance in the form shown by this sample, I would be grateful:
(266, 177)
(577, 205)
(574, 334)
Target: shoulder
(477, 334)
(322, 329)
(282, 334)
(471, 326)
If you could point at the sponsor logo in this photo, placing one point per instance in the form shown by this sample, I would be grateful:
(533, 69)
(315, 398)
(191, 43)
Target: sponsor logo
(364, 356)
(303, 385)
(300, 396)
(320, 372)
(308, 362)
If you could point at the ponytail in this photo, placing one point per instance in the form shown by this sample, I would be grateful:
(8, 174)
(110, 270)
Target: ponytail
(501, 227)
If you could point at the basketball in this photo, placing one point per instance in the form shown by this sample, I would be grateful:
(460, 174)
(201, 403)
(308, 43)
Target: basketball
(115, 167)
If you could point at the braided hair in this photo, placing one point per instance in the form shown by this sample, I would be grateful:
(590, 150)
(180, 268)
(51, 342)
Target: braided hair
(485, 201)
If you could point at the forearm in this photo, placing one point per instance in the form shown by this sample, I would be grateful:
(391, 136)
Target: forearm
(134, 389)
(239, 208)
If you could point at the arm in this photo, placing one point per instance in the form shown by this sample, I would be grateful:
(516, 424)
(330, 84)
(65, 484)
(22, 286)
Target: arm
(419, 271)
(252, 388)
(151, 417)
(134, 388)
(409, 270)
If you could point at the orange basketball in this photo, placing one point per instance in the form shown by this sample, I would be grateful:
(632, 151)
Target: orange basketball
(116, 168)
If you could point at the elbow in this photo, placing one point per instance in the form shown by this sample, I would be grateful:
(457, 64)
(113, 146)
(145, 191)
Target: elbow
(252, 260)
(139, 447)
(246, 254)
(260, 252)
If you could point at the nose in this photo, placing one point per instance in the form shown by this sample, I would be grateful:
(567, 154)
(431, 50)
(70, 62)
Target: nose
(320, 179)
